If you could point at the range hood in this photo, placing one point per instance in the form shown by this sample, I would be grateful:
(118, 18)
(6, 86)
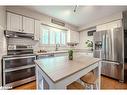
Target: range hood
(13, 34)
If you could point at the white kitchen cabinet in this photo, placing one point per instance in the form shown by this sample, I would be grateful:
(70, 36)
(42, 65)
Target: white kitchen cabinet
(20, 23)
(14, 22)
(37, 30)
(109, 26)
(74, 36)
(28, 25)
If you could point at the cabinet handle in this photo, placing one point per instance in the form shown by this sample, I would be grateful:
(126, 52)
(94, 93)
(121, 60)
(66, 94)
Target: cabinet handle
(23, 30)
(19, 29)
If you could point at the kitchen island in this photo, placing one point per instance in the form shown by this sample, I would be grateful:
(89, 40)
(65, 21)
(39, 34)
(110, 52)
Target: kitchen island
(58, 72)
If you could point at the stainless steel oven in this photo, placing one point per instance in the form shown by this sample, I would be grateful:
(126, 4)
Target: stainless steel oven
(18, 65)
(18, 70)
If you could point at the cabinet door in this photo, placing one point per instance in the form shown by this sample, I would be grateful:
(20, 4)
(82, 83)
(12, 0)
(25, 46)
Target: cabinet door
(28, 25)
(14, 22)
(37, 30)
(74, 36)
(109, 26)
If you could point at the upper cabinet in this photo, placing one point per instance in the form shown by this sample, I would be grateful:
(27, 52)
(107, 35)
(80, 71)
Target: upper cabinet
(74, 36)
(110, 25)
(28, 25)
(14, 22)
(37, 30)
(20, 23)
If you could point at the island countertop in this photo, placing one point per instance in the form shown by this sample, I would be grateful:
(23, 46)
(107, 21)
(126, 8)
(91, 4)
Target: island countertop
(57, 68)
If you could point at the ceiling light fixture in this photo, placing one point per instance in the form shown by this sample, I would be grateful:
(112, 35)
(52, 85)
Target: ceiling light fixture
(75, 8)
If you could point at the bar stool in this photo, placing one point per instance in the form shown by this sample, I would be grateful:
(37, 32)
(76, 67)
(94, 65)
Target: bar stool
(75, 85)
(90, 80)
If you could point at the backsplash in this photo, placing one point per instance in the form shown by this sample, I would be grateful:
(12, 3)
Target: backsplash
(21, 41)
(49, 48)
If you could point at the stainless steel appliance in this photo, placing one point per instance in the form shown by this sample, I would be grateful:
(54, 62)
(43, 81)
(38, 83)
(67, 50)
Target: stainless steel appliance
(14, 34)
(18, 65)
(109, 46)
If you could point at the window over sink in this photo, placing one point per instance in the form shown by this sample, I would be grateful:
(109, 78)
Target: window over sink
(52, 36)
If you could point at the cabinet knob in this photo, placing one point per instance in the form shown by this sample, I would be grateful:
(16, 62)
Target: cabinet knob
(23, 30)
(19, 29)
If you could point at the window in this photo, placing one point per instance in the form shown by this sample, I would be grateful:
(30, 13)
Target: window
(51, 36)
(57, 37)
(63, 38)
(45, 36)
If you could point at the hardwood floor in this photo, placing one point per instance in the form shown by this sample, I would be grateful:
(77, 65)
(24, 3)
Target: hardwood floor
(28, 86)
(106, 83)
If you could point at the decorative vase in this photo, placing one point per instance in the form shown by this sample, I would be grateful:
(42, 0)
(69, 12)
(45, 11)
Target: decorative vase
(70, 54)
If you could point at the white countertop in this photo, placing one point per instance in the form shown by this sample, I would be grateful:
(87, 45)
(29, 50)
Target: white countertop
(58, 68)
(50, 52)
(62, 51)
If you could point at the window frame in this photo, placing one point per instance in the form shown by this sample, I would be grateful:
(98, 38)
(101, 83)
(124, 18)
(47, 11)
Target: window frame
(49, 32)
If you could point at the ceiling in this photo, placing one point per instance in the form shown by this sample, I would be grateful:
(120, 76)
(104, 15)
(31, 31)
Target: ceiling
(83, 14)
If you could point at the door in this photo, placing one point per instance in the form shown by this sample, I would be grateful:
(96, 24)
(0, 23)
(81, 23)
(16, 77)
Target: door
(113, 66)
(114, 45)
(28, 25)
(99, 44)
(112, 69)
(14, 22)
(13, 76)
(37, 30)
(18, 62)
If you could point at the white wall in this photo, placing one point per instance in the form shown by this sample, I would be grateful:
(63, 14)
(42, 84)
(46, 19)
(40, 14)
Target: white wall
(83, 38)
(115, 18)
(2, 39)
(107, 19)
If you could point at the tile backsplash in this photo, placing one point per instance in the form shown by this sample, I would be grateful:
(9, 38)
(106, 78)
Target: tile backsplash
(36, 44)
(21, 41)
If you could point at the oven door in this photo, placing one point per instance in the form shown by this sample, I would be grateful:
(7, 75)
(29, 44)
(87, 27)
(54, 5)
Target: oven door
(17, 77)
(14, 62)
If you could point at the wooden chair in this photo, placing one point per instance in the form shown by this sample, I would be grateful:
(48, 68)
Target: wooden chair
(75, 85)
(90, 80)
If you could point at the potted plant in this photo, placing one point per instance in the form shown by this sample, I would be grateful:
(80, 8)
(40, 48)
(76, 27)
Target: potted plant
(89, 44)
(70, 54)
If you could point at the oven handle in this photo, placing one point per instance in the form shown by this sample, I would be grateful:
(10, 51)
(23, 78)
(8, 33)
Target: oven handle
(12, 58)
(19, 68)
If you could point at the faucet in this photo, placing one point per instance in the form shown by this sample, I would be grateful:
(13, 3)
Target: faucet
(57, 45)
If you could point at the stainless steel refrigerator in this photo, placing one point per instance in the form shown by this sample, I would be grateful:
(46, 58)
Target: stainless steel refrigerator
(109, 46)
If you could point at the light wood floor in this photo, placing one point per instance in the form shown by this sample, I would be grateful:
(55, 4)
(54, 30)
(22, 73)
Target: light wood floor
(106, 83)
